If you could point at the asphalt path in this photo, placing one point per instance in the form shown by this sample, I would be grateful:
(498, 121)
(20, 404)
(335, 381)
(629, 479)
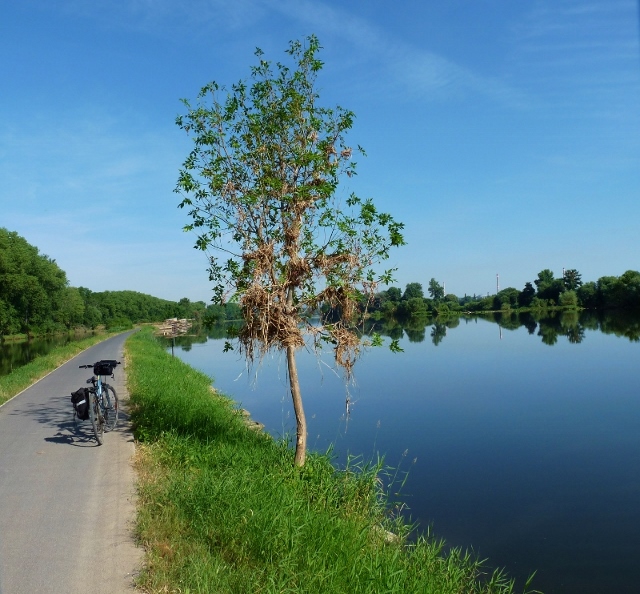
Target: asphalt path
(66, 504)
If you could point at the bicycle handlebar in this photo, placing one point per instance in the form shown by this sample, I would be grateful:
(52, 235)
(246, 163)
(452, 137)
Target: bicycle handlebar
(109, 361)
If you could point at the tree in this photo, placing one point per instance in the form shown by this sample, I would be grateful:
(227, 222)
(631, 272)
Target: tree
(32, 286)
(588, 295)
(394, 294)
(412, 308)
(436, 290)
(506, 299)
(630, 288)
(549, 288)
(413, 291)
(260, 185)
(71, 309)
(526, 295)
(568, 299)
(545, 278)
(572, 279)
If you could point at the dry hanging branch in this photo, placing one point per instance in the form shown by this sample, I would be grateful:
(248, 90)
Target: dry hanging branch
(259, 185)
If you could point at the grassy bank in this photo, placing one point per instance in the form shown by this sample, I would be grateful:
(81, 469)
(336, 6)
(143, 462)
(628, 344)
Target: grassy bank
(222, 509)
(22, 377)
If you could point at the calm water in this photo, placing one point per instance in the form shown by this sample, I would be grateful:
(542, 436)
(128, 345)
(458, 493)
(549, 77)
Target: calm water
(16, 354)
(521, 443)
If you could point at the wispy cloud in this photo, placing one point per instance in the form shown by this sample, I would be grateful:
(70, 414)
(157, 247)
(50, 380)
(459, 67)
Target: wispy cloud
(413, 71)
(170, 18)
(81, 160)
(421, 73)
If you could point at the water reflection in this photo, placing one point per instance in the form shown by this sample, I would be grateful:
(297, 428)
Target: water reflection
(528, 454)
(549, 326)
(16, 354)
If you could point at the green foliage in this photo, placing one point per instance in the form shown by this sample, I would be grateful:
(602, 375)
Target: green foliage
(569, 299)
(436, 290)
(123, 308)
(412, 308)
(506, 299)
(260, 188)
(588, 295)
(222, 510)
(119, 323)
(545, 278)
(619, 292)
(217, 314)
(33, 288)
(452, 302)
(413, 291)
(572, 279)
(394, 294)
(526, 295)
(549, 288)
(35, 298)
(609, 292)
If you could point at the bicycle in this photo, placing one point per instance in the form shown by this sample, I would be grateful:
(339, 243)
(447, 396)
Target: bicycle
(103, 400)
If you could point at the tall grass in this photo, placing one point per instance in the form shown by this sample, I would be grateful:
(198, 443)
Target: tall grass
(222, 508)
(22, 377)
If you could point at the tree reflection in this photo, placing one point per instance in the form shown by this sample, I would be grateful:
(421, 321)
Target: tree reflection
(416, 333)
(548, 333)
(438, 332)
(548, 325)
(571, 328)
(623, 323)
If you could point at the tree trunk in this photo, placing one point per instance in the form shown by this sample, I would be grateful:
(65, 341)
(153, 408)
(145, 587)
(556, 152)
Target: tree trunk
(301, 421)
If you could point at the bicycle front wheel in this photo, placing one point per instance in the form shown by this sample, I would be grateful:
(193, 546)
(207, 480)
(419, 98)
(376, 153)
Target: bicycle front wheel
(97, 419)
(111, 407)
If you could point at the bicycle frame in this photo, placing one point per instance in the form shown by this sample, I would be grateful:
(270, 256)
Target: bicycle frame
(103, 403)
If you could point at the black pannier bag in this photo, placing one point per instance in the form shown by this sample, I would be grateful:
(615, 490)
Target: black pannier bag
(80, 401)
(104, 367)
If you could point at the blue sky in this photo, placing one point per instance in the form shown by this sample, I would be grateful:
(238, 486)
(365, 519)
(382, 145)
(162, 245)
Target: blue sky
(505, 135)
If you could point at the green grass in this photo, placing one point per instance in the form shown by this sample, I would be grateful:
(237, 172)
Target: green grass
(222, 509)
(22, 377)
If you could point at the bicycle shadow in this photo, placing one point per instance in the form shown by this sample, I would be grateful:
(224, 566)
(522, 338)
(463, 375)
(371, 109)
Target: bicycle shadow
(66, 429)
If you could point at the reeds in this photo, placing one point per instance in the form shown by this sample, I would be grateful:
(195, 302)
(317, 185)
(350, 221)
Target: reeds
(223, 509)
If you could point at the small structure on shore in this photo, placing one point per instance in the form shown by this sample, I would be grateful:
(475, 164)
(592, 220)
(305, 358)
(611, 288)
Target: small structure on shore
(174, 326)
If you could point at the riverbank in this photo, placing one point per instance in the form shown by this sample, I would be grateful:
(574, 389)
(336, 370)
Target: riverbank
(25, 375)
(13, 338)
(222, 509)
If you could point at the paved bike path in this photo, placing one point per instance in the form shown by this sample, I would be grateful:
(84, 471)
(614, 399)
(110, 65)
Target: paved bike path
(66, 504)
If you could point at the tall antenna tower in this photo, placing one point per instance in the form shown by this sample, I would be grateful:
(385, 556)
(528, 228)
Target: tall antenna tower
(497, 283)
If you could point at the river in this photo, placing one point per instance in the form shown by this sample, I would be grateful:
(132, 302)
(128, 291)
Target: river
(18, 353)
(520, 436)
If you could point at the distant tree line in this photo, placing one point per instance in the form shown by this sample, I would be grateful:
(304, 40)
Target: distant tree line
(35, 298)
(545, 292)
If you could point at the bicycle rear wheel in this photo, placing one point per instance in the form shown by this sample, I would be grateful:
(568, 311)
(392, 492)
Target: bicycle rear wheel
(110, 407)
(96, 417)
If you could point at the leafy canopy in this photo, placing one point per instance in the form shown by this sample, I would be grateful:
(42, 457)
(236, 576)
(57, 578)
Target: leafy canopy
(260, 187)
